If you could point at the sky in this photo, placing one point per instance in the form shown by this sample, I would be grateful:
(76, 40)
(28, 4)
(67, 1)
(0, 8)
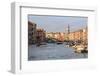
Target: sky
(58, 23)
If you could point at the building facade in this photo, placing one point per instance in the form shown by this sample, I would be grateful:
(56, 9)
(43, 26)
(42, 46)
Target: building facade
(56, 35)
(31, 32)
(79, 35)
(40, 35)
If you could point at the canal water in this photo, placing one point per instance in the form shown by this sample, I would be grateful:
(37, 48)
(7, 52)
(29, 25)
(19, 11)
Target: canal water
(52, 52)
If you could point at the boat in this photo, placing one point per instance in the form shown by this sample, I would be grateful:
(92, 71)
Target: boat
(67, 46)
(59, 42)
(80, 49)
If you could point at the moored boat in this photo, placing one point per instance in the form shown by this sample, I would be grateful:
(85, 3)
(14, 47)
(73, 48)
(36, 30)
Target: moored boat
(80, 49)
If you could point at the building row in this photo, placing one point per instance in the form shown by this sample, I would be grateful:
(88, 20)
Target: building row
(56, 35)
(39, 35)
(80, 34)
(34, 34)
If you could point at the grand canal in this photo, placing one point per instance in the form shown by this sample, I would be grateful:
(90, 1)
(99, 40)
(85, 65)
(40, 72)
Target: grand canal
(53, 51)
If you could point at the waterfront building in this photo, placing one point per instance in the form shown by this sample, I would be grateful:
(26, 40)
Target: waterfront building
(41, 34)
(31, 32)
